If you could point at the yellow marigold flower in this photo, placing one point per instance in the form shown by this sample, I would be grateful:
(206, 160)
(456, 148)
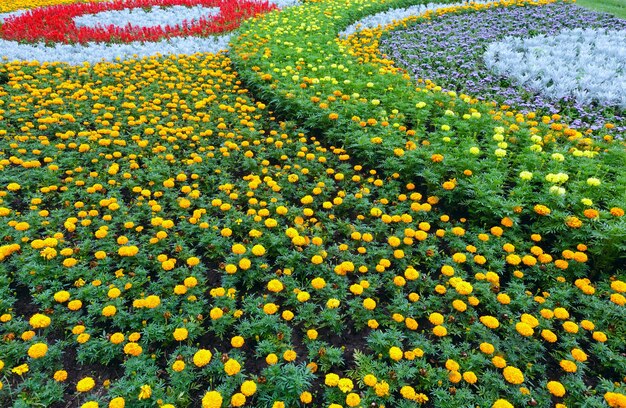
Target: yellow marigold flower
(212, 399)
(436, 318)
(490, 322)
(452, 365)
(529, 320)
(618, 299)
(258, 250)
(20, 369)
(86, 384)
(407, 392)
(181, 334)
(487, 348)
(440, 331)
(275, 286)
(74, 305)
(454, 377)
(145, 392)
(599, 336)
(331, 380)
(617, 212)
(248, 388)
(381, 389)
(587, 325)
(119, 402)
(503, 298)
(345, 385)
(238, 400)
(62, 296)
(271, 359)
(369, 304)
(556, 388)
(395, 353)
(353, 400)
(615, 399)
(237, 341)
(513, 375)
(570, 327)
(202, 357)
(193, 261)
(116, 338)
(312, 334)
(579, 355)
(498, 361)
(178, 366)
(133, 349)
(109, 311)
(190, 282)
(270, 308)
(411, 323)
(464, 288)
(232, 367)
(524, 329)
(369, 380)
(568, 366)
(470, 377)
(39, 321)
(306, 397)
(37, 350)
(333, 303)
(502, 403)
(318, 283)
(289, 355)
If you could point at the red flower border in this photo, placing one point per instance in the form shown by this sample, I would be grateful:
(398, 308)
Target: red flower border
(55, 23)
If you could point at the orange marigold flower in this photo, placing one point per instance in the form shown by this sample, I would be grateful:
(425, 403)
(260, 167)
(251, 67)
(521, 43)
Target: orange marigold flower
(591, 213)
(541, 209)
(573, 222)
(617, 212)
(436, 158)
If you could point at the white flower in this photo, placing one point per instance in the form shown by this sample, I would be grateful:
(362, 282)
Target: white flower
(157, 16)
(595, 68)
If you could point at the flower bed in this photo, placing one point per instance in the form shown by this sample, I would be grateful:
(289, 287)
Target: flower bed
(169, 240)
(56, 23)
(451, 58)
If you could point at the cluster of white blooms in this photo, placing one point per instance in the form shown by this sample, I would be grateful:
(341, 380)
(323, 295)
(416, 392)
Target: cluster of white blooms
(76, 54)
(157, 16)
(585, 64)
(393, 15)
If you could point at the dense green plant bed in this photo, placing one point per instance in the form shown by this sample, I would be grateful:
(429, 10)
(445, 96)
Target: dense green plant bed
(183, 231)
(434, 138)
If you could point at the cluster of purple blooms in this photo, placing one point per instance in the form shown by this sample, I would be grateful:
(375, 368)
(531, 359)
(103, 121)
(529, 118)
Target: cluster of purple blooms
(449, 50)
